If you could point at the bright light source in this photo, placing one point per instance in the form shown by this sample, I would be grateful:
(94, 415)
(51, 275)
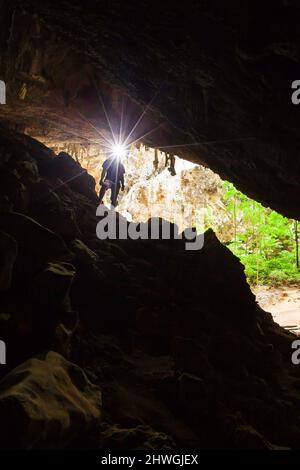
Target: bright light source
(118, 150)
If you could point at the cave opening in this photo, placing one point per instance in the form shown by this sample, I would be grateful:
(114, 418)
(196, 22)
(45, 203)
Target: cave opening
(265, 241)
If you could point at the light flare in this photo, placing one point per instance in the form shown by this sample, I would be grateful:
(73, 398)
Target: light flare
(119, 150)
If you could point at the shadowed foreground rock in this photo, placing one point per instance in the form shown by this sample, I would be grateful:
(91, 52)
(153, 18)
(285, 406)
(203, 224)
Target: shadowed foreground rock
(8, 254)
(174, 339)
(45, 402)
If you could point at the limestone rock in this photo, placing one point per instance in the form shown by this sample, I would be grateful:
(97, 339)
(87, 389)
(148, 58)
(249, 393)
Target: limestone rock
(51, 287)
(14, 190)
(63, 338)
(36, 243)
(8, 254)
(83, 253)
(247, 438)
(186, 349)
(71, 172)
(29, 170)
(49, 293)
(194, 394)
(55, 220)
(140, 438)
(46, 402)
(191, 357)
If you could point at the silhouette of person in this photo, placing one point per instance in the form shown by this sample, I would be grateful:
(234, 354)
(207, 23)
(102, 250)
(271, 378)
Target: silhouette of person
(112, 177)
(155, 161)
(170, 158)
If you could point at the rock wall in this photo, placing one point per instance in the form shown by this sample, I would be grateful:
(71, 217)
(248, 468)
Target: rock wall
(200, 75)
(174, 340)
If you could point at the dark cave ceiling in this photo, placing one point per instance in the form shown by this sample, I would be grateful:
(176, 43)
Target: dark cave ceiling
(213, 77)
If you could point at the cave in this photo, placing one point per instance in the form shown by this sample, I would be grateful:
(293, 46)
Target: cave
(142, 344)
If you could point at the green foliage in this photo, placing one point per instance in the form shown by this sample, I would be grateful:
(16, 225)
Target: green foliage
(263, 239)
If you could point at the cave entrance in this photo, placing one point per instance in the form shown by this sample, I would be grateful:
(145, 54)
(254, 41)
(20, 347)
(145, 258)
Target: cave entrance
(178, 191)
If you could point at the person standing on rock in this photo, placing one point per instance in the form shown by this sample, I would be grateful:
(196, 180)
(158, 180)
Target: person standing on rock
(112, 177)
(170, 158)
(155, 162)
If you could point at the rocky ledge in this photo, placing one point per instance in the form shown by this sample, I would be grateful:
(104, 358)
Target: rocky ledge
(127, 344)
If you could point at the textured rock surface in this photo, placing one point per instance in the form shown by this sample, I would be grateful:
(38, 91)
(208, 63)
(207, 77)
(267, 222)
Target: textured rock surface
(8, 254)
(46, 402)
(174, 339)
(211, 77)
(151, 191)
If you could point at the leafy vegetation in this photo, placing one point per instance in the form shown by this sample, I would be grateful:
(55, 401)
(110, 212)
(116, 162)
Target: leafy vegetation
(265, 241)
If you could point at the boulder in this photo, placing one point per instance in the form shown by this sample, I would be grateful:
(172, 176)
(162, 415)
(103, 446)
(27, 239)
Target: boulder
(247, 438)
(194, 394)
(24, 146)
(28, 170)
(61, 221)
(63, 338)
(49, 293)
(12, 188)
(141, 437)
(76, 177)
(36, 243)
(43, 196)
(84, 255)
(191, 357)
(52, 210)
(46, 402)
(51, 286)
